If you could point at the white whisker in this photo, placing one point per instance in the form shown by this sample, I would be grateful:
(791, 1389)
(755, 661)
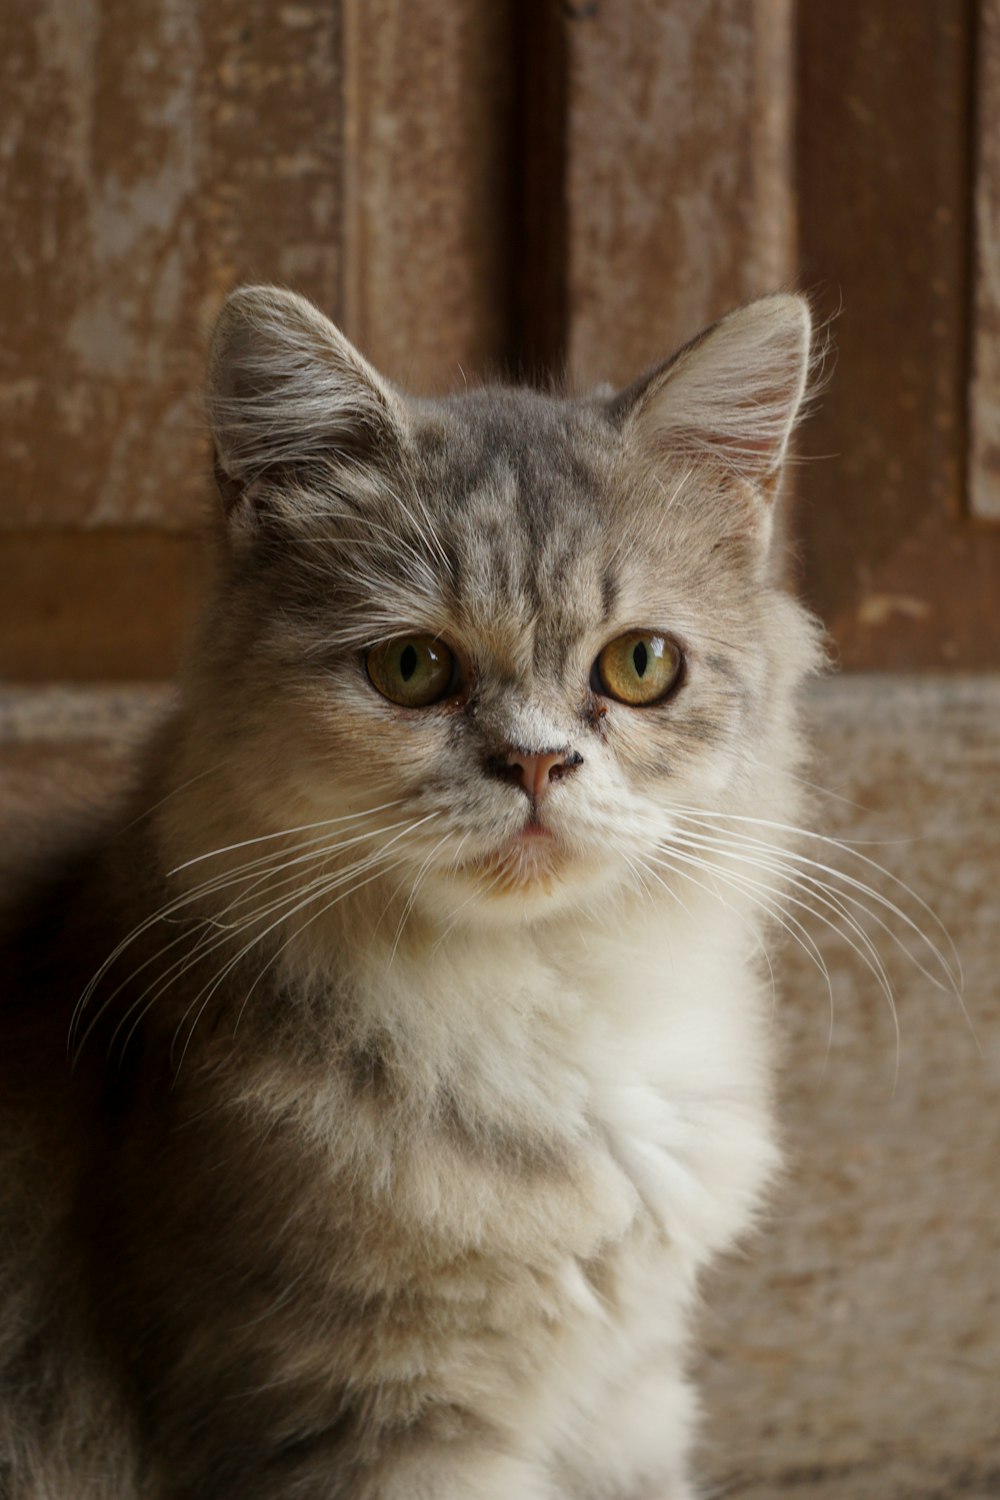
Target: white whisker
(283, 833)
(187, 899)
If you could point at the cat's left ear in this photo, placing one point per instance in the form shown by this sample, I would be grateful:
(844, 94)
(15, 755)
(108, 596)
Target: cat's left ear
(732, 394)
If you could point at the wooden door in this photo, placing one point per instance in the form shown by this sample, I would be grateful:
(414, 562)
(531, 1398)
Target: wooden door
(474, 186)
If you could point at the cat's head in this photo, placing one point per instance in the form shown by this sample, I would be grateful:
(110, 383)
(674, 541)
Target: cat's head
(482, 650)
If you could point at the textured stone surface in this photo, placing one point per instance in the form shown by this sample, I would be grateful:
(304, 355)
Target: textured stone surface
(852, 1351)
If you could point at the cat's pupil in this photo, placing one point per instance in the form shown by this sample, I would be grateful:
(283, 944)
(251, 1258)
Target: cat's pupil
(640, 657)
(407, 663)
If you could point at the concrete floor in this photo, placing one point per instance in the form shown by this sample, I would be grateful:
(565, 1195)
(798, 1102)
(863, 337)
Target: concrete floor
(853, 1349)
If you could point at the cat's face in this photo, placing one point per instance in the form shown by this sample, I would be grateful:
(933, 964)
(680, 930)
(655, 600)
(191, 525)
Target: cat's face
(491, 645)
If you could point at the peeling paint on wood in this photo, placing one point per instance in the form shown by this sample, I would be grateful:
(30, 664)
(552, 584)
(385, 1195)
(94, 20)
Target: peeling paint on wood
(368, 154)
(678, 189)
(152, 157)
(430, 99)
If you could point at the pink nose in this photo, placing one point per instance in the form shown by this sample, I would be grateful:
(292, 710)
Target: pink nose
(537, 772)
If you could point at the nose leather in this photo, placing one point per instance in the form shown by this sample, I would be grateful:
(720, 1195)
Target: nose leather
(536, 770)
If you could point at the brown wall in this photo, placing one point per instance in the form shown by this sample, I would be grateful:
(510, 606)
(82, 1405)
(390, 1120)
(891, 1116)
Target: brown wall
(474, 185)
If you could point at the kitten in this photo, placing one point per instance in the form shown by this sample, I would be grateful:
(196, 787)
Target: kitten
(418, 1044)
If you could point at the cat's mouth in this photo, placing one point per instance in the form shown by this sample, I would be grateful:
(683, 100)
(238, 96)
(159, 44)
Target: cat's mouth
(529, 859)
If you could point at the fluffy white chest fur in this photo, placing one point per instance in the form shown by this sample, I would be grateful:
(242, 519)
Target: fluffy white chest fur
(644, 1041)
(606, 1131)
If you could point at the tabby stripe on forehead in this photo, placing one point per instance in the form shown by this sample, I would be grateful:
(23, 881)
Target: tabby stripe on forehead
(454, 562)
(609, 593)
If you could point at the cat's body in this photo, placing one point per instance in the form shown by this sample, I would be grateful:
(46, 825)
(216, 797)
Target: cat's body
(432, 1068)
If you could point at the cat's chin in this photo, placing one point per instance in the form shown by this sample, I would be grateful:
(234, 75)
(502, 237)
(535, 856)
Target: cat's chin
(529, 862)
(527, 878)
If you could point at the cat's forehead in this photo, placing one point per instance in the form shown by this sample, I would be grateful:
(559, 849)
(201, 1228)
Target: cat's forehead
(520, 483)
(552, 454)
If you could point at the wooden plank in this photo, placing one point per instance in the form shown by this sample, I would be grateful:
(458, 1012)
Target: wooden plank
(428, 272)
(538, 231)
(984, 394)
(157, 154)
(678, 186)
(899, 575)
(109, 605)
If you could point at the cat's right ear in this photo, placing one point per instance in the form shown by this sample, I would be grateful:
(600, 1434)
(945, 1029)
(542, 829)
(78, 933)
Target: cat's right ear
(286, 389)
(732, 395)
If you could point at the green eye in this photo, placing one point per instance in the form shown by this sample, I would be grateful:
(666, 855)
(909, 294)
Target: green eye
(415, 670)
(639, 668)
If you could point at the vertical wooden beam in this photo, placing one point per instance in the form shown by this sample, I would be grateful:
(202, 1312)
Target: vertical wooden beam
(427, 270)
(891, 562)
(538, 232)
(984, 394)
(678, 184)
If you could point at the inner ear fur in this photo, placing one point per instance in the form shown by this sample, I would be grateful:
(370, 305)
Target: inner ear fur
(733, 393)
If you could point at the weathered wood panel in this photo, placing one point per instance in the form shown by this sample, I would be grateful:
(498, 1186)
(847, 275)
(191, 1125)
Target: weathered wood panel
(984, 396)
(479, 185)
(891, 562)
(100, 604)
(153, 156)
(678, 174)
(430, 186)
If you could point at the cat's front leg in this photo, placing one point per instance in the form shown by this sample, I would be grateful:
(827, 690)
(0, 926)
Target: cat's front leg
(472, 1475)
(634, 1444)
(430, 1474)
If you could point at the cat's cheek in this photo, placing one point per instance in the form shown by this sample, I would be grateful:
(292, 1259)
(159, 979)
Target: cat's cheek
(371, 745)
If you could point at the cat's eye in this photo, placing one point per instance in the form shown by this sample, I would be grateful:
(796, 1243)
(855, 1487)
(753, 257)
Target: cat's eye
(639, 668)
(413, 670)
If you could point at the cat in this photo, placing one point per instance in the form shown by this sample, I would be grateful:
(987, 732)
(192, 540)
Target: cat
(377, 1083)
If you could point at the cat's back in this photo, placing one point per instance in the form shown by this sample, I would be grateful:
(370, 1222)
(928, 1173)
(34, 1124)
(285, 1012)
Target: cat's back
(56, 919)
(55, 1401)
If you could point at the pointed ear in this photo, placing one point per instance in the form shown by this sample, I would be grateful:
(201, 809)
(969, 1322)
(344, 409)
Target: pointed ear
(732, 393)
(286, 388)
